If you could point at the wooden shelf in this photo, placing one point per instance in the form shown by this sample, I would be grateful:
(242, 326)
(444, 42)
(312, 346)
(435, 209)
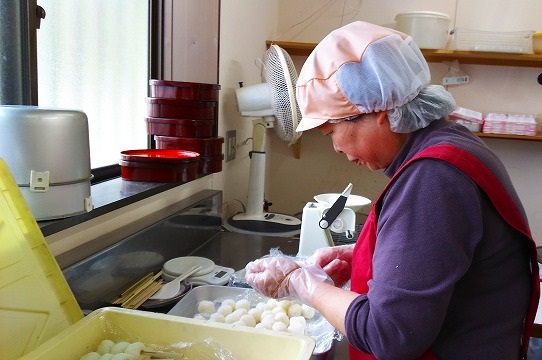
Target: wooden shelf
(464, 57)
(537, 137)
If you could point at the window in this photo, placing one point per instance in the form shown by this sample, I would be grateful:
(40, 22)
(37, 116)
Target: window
(93, 55)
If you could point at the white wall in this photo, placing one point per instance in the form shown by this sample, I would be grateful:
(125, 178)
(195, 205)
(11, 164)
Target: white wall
(244, 27)
(291, 182)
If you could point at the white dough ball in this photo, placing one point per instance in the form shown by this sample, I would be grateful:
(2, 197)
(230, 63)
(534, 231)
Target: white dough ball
(135, 349)
(119, 347)
(278, 310)
(239, 323)
(225, 309)
(231, 318)
(279, 326)
(285, 304)
(307, 311)
(249, 320)
(294, 310)
(296, 329)
(240, 312)
(271, 304)
(206, 307)
(105, 347)
(199, 317)
(242, 304)
(283, 318)
(261, 326)
(256, 314)
(266, 313)
(261, 306)
(91, 356)
(229, 302)
(217, 317)
(298, 320)
(268, 322)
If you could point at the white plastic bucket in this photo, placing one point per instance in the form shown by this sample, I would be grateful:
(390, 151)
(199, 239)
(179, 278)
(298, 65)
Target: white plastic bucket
(430, 30)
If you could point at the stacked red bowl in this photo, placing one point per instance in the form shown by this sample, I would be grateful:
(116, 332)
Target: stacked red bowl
(184, 116)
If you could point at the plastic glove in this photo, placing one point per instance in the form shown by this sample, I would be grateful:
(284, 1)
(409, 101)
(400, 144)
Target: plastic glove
(303, 282)
(269, 274)
(336, 261)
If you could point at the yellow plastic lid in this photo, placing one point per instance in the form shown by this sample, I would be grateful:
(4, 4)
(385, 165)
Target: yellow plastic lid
(36, 302)
(537, 34)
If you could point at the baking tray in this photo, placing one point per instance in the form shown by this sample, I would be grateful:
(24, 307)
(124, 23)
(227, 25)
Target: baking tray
(318, 327)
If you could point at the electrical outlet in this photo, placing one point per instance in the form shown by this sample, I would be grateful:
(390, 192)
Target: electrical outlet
(231, 145)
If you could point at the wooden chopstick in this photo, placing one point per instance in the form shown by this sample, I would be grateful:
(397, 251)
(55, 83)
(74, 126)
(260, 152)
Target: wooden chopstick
(139, 292)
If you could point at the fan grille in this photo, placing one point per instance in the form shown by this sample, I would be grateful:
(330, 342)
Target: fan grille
(281, 75)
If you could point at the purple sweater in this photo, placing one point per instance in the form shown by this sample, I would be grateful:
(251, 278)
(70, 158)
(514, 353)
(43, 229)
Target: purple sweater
(448, 273)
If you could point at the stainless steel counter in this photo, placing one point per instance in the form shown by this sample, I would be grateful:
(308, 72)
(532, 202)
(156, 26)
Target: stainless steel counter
(194, 231)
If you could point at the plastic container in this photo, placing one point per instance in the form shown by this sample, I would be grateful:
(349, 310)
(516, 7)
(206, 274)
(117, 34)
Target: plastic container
(429, 29)
(478, 40)
(180, 127)
(471, 119)
(157, 165)
(512, 124)
(211, 146)
(537, 43)
(180, 109)
(184, 90)
(42, 320)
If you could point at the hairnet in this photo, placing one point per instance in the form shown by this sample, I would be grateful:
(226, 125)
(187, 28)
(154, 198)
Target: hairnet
(363, 68)
(432, 103)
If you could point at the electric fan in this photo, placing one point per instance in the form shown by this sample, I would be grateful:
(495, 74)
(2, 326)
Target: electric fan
(273, 103)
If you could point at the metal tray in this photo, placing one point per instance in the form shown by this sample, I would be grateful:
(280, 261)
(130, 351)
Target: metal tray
(318, 328)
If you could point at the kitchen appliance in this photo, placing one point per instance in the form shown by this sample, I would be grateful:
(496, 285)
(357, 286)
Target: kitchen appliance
(330, 212)
(274, 103)
(429, 29)
(47, 151)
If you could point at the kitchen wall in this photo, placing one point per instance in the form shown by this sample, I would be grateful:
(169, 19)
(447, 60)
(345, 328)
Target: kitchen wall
(291, 182)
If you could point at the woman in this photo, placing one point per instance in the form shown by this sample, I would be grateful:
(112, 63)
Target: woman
(445, 266)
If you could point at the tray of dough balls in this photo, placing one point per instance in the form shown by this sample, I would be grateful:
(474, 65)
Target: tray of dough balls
(245, 307)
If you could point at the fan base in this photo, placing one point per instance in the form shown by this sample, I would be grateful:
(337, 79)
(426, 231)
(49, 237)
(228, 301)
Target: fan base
(265, 225)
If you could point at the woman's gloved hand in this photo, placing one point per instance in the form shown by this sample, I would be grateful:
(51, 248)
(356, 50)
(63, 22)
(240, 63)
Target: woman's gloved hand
(269, 275)
(336, 261)
(281, 277)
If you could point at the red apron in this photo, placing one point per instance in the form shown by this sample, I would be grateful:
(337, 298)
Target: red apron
(486, 180)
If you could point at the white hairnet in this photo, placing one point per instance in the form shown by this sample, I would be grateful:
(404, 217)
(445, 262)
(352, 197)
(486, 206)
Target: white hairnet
(432, 103)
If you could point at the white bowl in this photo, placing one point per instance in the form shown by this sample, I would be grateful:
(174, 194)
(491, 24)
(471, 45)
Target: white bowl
(354, 202)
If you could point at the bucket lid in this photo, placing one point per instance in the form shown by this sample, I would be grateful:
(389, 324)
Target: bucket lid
(158, 155)
(538, 34)
(431, 14)
(36, 302)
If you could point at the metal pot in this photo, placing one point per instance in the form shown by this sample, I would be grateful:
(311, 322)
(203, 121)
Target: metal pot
(48, 153)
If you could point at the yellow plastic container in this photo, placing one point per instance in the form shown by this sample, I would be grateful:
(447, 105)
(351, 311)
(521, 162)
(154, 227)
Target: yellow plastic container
(40, 317)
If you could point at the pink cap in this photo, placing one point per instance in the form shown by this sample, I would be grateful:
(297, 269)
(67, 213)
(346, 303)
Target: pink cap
(359, 68)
